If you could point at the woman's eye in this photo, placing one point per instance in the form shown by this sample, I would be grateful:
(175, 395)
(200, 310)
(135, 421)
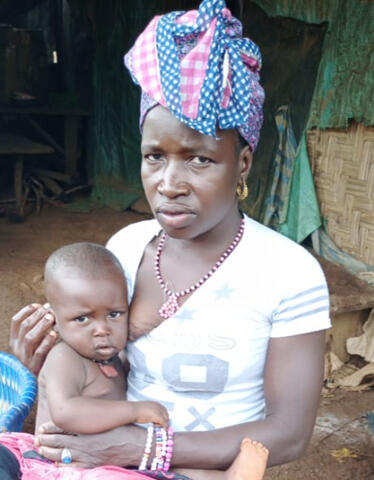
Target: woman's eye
(153, 157)
(81, 319)
(200, 160)
(115, 314)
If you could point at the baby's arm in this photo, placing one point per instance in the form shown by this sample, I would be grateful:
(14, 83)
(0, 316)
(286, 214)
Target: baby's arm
(65, 378)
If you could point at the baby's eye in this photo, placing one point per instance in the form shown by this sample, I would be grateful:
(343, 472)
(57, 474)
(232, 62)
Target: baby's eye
(114, 314)
(200, 160)
(81, 319)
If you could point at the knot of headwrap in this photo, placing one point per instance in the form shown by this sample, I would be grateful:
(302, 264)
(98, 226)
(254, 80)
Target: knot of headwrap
(198, 66)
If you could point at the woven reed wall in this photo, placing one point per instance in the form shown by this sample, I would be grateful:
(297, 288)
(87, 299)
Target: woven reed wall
(342, 163)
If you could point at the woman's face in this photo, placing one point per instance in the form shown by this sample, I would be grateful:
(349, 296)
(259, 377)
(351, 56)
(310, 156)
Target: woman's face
(190, 179)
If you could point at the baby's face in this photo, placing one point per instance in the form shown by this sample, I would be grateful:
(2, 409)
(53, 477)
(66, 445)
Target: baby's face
(91, 314)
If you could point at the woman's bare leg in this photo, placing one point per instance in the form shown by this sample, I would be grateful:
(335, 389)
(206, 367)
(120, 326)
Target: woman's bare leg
(250, 464)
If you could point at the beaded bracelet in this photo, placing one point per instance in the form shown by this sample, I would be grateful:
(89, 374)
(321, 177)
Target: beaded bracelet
(147, 448)
(169, 449)
(164, 449)
(157, 461)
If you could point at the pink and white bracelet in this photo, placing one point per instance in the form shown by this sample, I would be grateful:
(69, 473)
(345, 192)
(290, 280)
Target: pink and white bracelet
(158, 460)
(169, 449)
(164, 445)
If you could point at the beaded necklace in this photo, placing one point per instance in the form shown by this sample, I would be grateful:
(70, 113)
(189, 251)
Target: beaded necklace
(107, 366)
(171, 305)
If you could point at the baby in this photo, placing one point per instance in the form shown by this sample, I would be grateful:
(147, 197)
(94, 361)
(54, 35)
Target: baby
(82, 385)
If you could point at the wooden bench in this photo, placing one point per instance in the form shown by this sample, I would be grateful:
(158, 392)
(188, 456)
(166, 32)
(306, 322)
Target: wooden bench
(351, 301)
(17, 147)
(73, 120)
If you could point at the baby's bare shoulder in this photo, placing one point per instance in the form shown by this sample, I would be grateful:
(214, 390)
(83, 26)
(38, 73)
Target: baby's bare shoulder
(62, 356)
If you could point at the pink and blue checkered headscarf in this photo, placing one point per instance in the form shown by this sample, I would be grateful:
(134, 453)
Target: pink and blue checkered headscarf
(198, 65)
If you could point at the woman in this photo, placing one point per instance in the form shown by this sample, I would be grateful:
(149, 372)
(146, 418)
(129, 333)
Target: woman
(227, 317)
(83, 378)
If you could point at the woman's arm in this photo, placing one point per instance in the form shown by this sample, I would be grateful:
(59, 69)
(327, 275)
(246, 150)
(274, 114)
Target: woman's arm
(123, 446)
(293, 380)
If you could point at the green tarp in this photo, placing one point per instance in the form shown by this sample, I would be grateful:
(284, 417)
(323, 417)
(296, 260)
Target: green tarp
(291, 206)
(344, 87)
(303, 215)
(291, 56)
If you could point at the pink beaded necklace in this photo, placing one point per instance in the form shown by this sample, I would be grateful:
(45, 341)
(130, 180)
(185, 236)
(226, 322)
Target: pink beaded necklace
(171, 305)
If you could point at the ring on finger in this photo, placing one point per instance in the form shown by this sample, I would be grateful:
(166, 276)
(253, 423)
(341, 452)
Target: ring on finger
(66, 456)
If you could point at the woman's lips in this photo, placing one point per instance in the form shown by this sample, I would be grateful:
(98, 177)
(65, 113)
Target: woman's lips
(175, 218)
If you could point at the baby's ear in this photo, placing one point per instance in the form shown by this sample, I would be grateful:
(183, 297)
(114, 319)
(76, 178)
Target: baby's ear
(51, 312)
(54, 331)
(55, 326)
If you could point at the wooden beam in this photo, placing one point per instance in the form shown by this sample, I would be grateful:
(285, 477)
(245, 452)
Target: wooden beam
(12, 8)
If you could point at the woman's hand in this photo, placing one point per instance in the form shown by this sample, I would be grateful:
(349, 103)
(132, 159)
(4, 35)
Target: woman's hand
(31, 335)
(122, 446)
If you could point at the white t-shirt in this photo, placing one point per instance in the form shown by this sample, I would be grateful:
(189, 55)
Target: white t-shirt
(206, 363)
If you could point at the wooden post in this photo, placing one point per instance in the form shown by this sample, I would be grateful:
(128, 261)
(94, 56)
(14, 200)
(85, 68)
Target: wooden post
(72, 123)
(18, 184)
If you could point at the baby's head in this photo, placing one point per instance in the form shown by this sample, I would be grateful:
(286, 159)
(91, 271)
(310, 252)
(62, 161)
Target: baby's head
(86, 288)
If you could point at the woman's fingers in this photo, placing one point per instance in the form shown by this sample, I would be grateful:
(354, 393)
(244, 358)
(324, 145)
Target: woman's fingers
(32, 326)
(54, 454)
(47, 341)
(121, 446)
(30, 337)
(51, 446)
(49, 427)
(19, 317)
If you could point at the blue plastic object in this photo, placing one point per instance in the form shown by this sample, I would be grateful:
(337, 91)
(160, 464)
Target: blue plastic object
(371, 421)
(18, 387)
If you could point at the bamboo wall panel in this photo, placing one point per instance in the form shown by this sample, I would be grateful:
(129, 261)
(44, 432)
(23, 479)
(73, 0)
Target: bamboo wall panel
(342, 163)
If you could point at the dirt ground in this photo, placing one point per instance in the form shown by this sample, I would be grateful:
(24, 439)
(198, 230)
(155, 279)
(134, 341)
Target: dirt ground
(341, 421)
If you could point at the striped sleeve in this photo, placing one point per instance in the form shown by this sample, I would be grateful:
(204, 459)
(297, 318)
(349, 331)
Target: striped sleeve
(306, 307)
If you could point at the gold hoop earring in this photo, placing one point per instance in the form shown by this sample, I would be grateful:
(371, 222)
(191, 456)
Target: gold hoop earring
(242, 191)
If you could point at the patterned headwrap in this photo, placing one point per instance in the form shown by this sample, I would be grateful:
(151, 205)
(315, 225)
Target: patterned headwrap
(198, 66)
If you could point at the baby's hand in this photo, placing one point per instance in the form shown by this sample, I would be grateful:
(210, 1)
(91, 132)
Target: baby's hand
(152, 412)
